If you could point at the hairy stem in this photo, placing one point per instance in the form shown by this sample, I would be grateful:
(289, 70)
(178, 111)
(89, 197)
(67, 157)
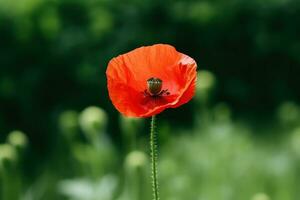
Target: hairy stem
(153, 152)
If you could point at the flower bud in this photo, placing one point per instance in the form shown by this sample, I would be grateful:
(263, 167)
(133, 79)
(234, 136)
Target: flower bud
(9, 172)
(68, 123)
(8, 155)
(136, 176)
(93, 120)
(206, 82)
(18, 139)
(136, 159)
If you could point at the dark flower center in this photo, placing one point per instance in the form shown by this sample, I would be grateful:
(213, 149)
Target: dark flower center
(154, 85)
(155, 88)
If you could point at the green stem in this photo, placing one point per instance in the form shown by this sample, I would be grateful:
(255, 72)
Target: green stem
(153, 152)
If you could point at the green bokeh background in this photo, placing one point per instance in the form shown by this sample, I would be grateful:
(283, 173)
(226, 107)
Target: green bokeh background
(239, 138)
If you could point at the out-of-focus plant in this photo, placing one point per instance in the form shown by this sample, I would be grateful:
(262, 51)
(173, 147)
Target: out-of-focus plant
(136, 184)
(295, 141)
(69, 125)
(221, 113)
(205, 90)
(11, 157)
(205, 87)
(93, 151)
(93, 122)
(101, 153)
(260, 196)
(85, 189)
(96, 155)
(222, 161)
(130, 128)
(9, 175)
(18, 140)
(289, 114)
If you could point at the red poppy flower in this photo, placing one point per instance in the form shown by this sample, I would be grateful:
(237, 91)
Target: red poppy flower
(147, 80)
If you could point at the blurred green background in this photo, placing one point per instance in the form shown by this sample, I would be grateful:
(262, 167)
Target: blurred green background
(61, 138)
